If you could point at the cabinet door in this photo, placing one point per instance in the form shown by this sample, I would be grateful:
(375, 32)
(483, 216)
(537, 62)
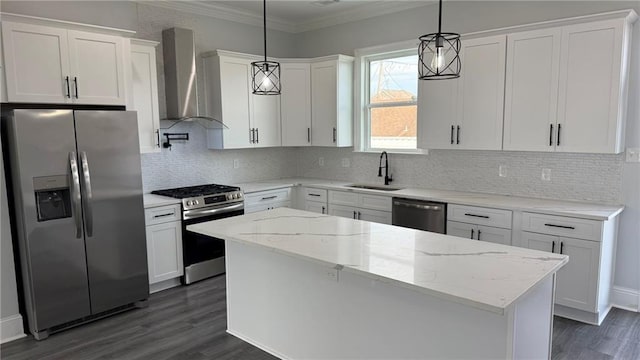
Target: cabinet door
(317, 207)
(481, 93)
(324, 103)
(36, 60)
(382, 217)
(462, 230)
(437, 105)
(590, 69)
(531, 93)
(296, 104)
(235, 98)
(578, 279)
(493, 234)
(343, 211)
(164, 251)
(539, 241)
(144, 85)
(97, 68)
(265, 118)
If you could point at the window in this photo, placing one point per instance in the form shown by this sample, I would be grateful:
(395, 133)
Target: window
(390, 101)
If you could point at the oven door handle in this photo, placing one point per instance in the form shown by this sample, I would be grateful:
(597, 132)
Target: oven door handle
(198, 213)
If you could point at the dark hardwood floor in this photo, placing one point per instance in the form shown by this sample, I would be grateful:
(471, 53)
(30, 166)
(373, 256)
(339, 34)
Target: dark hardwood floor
(189, 323)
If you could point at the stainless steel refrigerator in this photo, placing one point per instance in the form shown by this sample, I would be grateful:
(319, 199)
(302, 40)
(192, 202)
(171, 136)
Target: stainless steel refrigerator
(79, 215)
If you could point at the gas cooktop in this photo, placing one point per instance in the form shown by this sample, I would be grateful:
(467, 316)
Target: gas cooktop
(196, 191)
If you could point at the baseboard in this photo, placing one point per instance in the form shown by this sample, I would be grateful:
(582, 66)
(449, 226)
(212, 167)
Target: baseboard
(11, 328)
(625, 298)
(258, 345)
(164, 285)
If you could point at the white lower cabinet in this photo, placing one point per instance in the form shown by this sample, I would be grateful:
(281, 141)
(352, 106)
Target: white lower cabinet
(383, 217)
(374, 208)
(479, 232)
(576, 286)
(164, 247)
(316, 206)
(480, 223)
(267, 200)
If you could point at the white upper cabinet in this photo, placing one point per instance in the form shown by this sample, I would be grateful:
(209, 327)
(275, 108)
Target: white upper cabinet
(332, 102)
(251, 120)
(144, 93)
(55, 65)
(481, 93)
(296, 104)
(438, 101)
(531, 93)
(592, 96)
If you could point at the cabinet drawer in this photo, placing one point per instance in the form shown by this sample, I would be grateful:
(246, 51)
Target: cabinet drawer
(266, 206)
(267, 197)
(375, 202)
(480, 216)
(162, 214)
(343, 198)
(312, 194)
(562, 226)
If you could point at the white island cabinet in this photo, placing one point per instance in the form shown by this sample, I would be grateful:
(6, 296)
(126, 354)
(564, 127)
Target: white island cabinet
(306, 285)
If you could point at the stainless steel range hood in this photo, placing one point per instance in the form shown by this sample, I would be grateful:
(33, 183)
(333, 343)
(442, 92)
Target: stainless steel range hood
(180, 78)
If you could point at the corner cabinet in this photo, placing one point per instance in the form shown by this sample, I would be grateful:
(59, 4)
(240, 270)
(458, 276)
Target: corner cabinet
(295, 101)
(54, 65)
(332, 101)
(466, 113)
(144, 93)
(252, 121)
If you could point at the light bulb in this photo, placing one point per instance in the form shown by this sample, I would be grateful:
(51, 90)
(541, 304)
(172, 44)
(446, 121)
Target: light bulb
(266, 83)
(438, 60)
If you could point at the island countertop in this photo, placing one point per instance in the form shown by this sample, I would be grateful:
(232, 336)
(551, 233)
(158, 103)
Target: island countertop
(475, 273)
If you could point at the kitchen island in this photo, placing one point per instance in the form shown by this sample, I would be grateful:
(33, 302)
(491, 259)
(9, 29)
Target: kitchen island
(304, 285)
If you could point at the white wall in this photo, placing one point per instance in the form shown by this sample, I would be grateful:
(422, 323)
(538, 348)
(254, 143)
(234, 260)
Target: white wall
(597, 177)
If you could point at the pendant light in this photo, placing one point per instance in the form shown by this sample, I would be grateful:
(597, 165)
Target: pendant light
(265, 75)
(439, 54)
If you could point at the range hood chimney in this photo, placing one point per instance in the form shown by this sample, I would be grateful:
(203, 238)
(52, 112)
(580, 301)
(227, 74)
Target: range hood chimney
(180, 78)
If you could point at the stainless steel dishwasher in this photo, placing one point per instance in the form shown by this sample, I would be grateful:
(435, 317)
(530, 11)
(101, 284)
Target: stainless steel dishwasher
(421, 215)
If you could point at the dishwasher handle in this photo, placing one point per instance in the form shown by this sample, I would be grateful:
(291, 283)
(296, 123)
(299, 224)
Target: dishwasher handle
(418, 206)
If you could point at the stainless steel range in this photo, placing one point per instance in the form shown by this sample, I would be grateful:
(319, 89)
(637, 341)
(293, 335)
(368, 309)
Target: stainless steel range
(203, 255)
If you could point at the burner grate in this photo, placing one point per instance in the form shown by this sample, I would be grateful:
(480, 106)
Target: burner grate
(195, 191)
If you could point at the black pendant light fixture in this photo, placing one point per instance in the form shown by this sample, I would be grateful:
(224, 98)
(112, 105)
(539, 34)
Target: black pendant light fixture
(265, 75)
(439, 54)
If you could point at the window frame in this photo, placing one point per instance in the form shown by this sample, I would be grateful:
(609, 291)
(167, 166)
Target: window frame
(362, 131)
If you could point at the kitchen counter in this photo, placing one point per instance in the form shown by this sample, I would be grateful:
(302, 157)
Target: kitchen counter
(152, 200)
(301, 284)
(583, 210)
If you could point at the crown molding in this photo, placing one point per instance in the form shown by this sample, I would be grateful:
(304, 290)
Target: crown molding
(369, 10)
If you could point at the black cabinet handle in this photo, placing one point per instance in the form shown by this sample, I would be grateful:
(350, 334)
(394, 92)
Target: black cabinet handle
(478, 216)
(314, 194)
(308, 135)
(452, 130)
(251, 135)
(75, 84)
(323, 209)
(560, 226)
(355, 214)
(158, 137)
(258, 135)
(359, 215)
(458, 135)
(553, 246)
(471, 234)
(479, 233)
(270, 197)
(163, 215)
(334, 134)
(66, 79)
(559, 128)
(561, 246)
(551, 135)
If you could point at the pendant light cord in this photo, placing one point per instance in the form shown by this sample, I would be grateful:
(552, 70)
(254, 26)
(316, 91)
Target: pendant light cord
(264, 13)
(439, 19)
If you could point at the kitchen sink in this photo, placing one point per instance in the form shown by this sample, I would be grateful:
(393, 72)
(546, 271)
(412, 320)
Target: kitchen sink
(374, 187)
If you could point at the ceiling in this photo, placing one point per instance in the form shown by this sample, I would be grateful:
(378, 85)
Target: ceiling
(293, 15)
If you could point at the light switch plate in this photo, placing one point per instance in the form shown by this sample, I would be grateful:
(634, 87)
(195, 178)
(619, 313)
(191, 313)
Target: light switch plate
(502, 170)
(546, 174)
(236, 163)
(633, 155)
(321, 161)
(346, 162)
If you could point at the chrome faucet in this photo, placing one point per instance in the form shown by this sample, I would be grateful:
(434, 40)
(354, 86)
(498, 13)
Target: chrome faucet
(387, 178)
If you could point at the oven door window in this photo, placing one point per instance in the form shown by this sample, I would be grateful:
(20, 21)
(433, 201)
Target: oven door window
(197, 247)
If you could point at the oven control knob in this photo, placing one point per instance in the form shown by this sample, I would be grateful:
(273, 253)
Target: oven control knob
(233, 196)
(228, 196)
(195, 202)
(239, 195)
(189, 203)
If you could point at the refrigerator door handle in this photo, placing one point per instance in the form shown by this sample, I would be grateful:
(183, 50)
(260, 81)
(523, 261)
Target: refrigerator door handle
(75, 193)
(87, 196)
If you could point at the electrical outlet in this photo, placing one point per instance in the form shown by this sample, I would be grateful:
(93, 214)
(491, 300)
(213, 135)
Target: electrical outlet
(502, 170)
(321, 161)
(633, 155)
(332, 274)
(346, 162)
(546, 174)
(236, 163)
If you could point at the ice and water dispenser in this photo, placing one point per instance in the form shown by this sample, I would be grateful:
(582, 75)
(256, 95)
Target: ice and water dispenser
(53, 198)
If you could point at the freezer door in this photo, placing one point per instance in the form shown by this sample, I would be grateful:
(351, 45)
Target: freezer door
(42, 151)
(111, 182)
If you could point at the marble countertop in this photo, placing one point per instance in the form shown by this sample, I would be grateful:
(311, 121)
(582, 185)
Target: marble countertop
(152, 200)
(475, 273)
(583, 210)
